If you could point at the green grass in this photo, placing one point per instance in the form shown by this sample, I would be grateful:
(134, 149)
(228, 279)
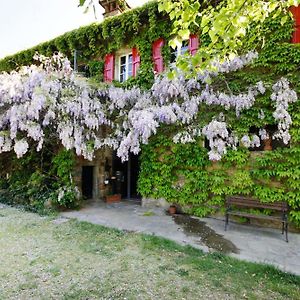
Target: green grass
(42, 259)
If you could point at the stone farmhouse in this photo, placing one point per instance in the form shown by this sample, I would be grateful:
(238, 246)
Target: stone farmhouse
(129, 46)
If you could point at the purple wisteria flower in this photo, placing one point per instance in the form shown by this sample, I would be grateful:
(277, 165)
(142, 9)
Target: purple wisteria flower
(52, 96)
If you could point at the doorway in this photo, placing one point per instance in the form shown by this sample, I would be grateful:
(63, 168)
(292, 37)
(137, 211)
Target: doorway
(87, 181)
(127, 175)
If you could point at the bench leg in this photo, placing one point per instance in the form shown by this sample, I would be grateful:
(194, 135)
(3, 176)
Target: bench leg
(283, 223)
(226, 221)
(286, 232)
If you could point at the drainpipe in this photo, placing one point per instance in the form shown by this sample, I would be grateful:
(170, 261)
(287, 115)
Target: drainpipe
(75, 60)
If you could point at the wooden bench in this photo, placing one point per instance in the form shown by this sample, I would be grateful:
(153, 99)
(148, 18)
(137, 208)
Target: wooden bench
(233, 204)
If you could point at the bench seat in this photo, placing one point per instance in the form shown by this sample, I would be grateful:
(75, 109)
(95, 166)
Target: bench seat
(254, 216)
(233, 204)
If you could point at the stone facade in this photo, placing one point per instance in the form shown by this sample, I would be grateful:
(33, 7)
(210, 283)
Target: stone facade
(152, 203)
(102, 169)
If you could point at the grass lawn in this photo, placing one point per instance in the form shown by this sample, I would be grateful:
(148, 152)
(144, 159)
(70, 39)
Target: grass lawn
(45, 259)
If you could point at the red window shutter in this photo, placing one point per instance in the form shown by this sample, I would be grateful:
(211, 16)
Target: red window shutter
(109, 66)
(194, 44)
(157, 55)
(295, 10)
(296, 35)
(136, 61)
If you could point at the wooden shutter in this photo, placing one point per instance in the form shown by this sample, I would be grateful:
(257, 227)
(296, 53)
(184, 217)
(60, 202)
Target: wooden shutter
(136, 61)
(296, 34)
(109, 66)
(157, 55)
(193, 44)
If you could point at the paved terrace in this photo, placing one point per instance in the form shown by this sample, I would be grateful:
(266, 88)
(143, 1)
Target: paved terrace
(247, 242)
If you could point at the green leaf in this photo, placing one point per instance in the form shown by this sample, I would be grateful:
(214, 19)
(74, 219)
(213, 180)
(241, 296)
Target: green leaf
(184, 34)
(284, 20)
(204, 21)
(81, 2)
(213, 36)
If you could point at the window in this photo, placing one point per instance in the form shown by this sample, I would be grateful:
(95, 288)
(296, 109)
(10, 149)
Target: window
(175, 53)
(268, 143)
(121, 65)
(84, 70)
(125, 67)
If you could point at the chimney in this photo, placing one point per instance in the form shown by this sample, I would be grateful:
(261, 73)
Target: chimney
(113, 7)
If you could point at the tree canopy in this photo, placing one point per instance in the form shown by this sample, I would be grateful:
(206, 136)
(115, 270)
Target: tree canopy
(225, 22)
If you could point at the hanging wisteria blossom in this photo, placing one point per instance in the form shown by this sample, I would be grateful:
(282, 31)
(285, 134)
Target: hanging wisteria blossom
(50, 101)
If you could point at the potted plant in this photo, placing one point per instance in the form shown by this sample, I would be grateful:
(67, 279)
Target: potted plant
(172, 209)
(112, 197)
(268, 144)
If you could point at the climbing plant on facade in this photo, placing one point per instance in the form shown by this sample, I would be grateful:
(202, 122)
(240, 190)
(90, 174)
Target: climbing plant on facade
(230, 106)
(53, 96)
(50, 103)
(226, 24)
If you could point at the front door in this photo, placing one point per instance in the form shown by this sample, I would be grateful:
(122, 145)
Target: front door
(126, 175)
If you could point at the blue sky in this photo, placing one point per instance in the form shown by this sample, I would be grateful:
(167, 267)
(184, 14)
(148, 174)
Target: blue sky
(26, 23)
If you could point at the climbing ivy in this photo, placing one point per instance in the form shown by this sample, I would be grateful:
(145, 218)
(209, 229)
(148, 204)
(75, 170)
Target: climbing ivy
(136, 28)
(182, 173)
(39, 181)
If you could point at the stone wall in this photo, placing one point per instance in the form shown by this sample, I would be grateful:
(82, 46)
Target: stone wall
(152, 203)
(102, 161)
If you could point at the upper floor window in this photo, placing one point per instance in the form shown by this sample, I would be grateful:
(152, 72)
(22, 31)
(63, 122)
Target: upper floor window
(175, 53)
(122, 65)
(125, 67)
(181, 50)
(84, 70)
(189, 46)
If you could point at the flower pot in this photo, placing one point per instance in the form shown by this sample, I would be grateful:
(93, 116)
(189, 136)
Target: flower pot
(268, 144)
(172, 209)
(113, 198)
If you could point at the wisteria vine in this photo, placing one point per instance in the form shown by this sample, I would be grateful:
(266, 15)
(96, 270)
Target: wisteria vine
(50, 100)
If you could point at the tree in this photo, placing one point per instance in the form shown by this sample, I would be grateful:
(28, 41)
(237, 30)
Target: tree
(225, 22)
(87, 4)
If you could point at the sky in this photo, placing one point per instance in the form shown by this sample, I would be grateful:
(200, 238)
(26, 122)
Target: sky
(26, 23)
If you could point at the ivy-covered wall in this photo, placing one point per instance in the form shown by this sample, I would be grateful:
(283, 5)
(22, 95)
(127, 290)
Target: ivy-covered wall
(136, 28)
(182, 173)
(39, 181)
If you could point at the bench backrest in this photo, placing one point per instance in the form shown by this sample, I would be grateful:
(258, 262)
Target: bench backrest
(255, 203)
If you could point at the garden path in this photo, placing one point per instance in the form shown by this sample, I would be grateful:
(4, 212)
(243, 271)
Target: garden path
(251, 243)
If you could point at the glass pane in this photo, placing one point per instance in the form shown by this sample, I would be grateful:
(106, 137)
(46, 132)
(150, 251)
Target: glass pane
(123, 69)
(130, 65)
(184, 48)
(185, 44)
(130, 71)
(173, 54)
(123, 60)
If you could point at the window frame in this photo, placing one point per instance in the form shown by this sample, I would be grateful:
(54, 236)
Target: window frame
(128, 66)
